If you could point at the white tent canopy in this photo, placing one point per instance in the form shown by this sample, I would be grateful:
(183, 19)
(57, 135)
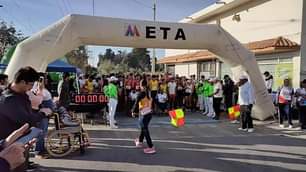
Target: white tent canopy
(75, 30)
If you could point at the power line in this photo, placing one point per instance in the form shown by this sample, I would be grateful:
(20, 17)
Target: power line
(69, 6)
(60, 7)
(93, 7)
(66, 6)
(17, 21)
(26, 16)
(142, 4)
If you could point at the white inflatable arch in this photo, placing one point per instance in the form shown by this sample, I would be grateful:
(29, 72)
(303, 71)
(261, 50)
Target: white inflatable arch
(75, 30)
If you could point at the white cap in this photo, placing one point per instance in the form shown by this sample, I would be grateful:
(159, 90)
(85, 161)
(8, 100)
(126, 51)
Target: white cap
(243, 77)
(112, 78)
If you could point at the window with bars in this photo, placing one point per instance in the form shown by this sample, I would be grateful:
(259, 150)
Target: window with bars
(208, 67)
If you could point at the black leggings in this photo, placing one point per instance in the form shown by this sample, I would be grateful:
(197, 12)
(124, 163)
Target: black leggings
(144, 123)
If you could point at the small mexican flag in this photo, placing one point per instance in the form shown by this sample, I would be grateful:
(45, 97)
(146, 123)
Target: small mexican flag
(234, 112)
(177, 117)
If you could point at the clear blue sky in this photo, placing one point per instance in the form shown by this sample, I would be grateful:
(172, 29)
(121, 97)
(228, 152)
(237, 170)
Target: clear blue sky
(30, 16)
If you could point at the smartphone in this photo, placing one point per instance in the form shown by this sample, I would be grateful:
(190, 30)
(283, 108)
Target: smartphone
(29, 135)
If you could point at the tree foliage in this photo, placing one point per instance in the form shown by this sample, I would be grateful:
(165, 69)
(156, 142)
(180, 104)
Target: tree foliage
(78, 57)
(9, 37)
(138, 60)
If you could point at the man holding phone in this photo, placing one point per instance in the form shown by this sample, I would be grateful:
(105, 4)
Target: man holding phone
(15, 106)
(12, 152)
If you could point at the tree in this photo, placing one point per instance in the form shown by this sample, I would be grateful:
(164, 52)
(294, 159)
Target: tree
(108, 55)
(78, 57)
(8, 37)
(89, 70)
(139, 58)
(105, 66)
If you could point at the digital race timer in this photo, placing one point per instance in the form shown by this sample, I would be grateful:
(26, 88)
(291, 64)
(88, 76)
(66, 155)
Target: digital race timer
(89, 99)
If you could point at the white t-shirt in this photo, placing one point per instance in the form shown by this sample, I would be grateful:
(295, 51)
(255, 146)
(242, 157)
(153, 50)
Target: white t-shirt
(188, 88)
(300, 99)
(82, 83)
(172, 87)
(269, 82)
(286, 92)
(162, 97)
(217, 86)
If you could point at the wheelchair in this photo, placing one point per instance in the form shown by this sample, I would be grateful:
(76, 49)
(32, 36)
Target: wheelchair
(63, 140)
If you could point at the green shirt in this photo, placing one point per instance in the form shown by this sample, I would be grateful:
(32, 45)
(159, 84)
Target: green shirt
(208, 89)
(111, 91)
(199, 88)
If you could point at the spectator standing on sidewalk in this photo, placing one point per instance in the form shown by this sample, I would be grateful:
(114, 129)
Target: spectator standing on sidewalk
(245, 100)
(285, 96)
(217, 98)
(268, 81)
(228, 91)
(301, 102)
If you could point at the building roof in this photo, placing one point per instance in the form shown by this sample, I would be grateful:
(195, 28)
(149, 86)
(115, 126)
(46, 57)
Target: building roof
(269, 46)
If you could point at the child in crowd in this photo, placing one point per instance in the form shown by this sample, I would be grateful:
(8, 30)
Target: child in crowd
(133, 97)
(162, 99)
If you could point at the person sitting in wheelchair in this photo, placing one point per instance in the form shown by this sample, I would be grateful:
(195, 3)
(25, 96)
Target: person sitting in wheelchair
(64, 116)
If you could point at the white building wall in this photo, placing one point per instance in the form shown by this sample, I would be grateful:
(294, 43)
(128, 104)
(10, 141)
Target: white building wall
(186, 69)
(269, 20)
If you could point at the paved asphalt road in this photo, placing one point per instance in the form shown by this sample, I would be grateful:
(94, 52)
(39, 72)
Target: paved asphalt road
(201, 145)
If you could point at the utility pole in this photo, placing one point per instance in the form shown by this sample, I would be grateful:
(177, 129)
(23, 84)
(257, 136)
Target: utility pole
(93, 7)
(153, 56)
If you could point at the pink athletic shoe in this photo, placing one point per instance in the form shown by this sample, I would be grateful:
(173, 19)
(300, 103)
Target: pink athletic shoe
(149, 150)
(137, 143)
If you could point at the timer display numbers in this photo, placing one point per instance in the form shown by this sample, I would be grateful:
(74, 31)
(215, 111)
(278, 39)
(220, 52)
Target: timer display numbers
(89, 99)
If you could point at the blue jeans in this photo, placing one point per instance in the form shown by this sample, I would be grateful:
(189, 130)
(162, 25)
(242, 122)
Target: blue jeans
(285, 110)
(40, 144)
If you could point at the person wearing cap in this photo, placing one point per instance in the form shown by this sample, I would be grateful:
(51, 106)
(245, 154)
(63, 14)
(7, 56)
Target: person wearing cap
(111, 92)
(285, 96)
(300, 94)
(245, 100)
(209, 93)
(268, 81)
(207, 90)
